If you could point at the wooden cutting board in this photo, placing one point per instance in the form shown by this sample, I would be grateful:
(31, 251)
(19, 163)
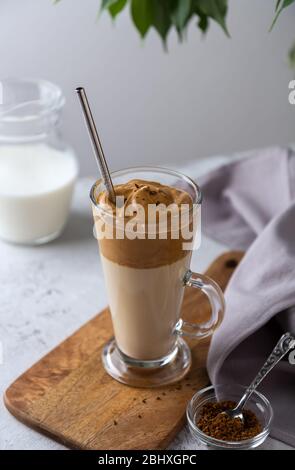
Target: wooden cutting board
(68, 395)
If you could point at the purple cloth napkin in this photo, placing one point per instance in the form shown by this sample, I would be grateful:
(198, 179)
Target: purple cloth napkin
(249, 204)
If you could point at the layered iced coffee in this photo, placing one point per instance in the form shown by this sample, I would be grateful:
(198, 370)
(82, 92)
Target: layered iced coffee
(144, 274)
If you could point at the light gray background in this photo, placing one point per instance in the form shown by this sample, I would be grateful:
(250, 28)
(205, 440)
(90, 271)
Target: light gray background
(208, 96)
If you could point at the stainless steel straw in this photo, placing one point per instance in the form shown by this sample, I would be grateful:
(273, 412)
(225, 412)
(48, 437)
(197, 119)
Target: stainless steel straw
(96, 144)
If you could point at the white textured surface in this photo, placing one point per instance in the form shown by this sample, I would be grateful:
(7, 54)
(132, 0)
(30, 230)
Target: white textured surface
(46, 293)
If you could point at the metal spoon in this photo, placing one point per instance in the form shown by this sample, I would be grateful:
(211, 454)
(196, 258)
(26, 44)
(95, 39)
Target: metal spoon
(285, 344)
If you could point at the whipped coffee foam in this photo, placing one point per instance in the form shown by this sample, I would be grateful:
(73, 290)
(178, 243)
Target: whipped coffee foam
(144, 252)
(144, 193)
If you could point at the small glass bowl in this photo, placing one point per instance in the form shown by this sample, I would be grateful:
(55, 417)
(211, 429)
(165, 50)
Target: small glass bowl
(257, 403)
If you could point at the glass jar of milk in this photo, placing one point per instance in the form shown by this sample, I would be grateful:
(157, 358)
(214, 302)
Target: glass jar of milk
(37, 169)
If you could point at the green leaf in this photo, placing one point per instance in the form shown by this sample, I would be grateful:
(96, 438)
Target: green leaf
(203, 22)
(277, 4)
(105, 4)
(180, 13)
(280, 6)
(117, 7)
(161, 17)
(291, 56)
(215, 9)
(142, 15)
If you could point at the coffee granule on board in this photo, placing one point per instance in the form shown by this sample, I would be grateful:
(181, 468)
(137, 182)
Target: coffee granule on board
(220, 426)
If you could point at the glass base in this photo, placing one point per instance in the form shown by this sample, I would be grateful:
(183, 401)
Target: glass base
(147, 374)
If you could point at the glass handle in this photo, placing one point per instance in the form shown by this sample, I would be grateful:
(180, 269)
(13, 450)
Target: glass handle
(217, 303)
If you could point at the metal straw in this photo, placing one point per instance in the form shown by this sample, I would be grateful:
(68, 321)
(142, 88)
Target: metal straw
(96, 144)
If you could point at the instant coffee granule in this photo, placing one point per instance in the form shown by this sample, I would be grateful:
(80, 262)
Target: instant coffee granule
(220, 426)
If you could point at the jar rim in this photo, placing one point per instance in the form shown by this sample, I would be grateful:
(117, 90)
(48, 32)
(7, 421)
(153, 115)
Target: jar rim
(24, 100)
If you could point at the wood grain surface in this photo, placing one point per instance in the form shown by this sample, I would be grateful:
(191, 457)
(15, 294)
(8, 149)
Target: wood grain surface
(68, 395)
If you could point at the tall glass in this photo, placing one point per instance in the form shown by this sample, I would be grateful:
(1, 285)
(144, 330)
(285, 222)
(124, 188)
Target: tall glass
(145, 279)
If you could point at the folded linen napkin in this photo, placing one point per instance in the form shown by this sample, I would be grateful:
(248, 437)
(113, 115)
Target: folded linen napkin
(249, 204)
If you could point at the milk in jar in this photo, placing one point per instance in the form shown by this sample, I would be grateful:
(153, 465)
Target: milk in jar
(37, 169)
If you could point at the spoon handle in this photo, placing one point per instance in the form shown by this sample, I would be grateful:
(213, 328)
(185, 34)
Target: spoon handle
(284, 345)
